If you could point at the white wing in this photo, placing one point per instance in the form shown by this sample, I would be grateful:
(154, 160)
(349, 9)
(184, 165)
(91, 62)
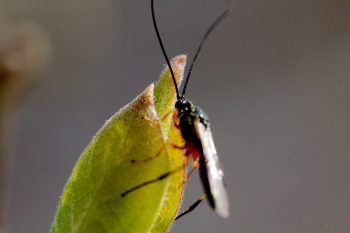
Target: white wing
(215, 172)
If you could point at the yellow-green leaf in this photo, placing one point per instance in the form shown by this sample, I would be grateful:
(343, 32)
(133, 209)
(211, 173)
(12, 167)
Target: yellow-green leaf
(131, 148)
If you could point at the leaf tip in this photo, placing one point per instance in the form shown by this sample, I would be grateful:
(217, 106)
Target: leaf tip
(178, 64)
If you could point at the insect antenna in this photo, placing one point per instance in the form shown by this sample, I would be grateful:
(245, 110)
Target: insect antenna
(206, 35)
(163, 50)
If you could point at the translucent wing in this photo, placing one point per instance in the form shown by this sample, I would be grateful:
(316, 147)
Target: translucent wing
(211, 171)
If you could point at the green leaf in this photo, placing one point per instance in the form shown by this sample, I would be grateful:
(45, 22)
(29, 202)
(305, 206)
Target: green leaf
(131, 148)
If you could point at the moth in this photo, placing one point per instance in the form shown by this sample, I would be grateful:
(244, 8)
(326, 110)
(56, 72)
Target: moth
(194, 125)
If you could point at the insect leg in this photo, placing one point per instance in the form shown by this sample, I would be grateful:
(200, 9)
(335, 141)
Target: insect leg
(157, 154)
(165, 175)
(176, 120)
(149, 158)
(178, 147)
(192, 207)
(167, 114)
(194, 167)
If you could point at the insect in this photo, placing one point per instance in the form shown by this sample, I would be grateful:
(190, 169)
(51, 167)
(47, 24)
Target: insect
(195, 130)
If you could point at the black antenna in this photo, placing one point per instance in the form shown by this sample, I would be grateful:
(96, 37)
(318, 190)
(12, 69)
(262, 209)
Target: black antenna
(163, 50)
(212, 27)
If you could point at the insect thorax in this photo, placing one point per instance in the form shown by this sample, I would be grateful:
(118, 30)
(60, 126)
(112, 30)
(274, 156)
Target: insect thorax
(187, 114)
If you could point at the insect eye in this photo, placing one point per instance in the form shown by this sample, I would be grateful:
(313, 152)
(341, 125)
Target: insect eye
(178, 104)
(182, 104)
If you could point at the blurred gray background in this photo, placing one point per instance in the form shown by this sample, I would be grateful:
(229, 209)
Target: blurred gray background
(273, 78)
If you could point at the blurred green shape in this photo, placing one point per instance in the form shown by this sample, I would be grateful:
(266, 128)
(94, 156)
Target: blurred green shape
(131, 148)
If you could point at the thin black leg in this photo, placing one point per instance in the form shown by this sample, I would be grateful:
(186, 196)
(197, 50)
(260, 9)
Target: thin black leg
(149, 158)
(192, 207)
(165, 175)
